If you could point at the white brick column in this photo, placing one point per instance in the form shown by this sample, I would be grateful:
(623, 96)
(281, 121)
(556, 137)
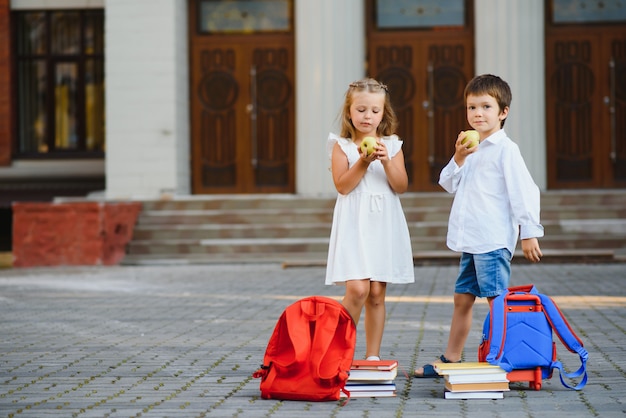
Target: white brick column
(147, 105)
(510, 43)
(330, 53)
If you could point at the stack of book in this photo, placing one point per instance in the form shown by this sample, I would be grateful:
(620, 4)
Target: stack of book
(372, 378)
(473, 380)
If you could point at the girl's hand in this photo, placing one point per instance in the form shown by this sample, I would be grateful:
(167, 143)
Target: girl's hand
(380, 153)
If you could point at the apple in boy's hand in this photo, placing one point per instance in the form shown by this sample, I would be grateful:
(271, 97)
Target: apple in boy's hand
(368, 145)
(473, 137)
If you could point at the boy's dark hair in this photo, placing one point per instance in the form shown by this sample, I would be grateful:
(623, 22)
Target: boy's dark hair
(492, 85)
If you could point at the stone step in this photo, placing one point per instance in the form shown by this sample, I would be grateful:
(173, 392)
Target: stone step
(320, 244)
(278, 201)
(570, 198)
(269, 216)
(288, 228)
(174, 231)
(306, 259)
(435, 215)
(234, 231)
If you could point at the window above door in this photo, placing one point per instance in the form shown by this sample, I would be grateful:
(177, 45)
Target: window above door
(588, 11)
(411, 14)
(244, 16)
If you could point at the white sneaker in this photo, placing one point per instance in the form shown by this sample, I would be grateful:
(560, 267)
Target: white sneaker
(373, 358)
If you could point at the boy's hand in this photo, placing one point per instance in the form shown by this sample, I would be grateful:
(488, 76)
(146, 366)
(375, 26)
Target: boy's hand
(532, 252)
(461, 151)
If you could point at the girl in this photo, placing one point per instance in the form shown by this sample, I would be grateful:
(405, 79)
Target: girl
(369, 241)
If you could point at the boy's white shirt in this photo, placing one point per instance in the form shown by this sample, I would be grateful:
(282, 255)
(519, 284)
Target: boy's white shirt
(496, 200)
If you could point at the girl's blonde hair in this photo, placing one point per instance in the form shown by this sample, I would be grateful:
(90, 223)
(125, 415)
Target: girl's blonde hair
(389, 121)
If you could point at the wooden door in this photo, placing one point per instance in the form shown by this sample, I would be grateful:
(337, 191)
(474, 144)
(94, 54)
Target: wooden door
(585, 101)
(242, 104)
(426, 69)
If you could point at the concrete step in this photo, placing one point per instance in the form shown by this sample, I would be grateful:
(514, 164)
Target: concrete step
(320, 244)
(188, 231)
(288, 228)
(415, 210)
(307, 259)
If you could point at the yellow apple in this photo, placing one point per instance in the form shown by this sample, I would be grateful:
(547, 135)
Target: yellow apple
(368, 145)
(473, 137)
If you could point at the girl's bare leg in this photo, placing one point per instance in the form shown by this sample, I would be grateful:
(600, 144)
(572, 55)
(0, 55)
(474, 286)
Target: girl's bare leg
(375, 315)
(356, 294)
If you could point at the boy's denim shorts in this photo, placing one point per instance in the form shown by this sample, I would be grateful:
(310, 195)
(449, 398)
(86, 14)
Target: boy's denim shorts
(484, 275)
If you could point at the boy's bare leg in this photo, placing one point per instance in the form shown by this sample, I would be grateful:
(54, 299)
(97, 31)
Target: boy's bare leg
(459, 327)
(375, 314)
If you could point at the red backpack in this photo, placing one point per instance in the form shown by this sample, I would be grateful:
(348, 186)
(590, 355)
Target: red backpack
(309, 354)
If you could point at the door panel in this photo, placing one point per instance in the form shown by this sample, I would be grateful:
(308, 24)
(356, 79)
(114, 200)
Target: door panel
(426, 71)
(573, 96)
(242, 113)
(272, 110)
(586, 105)
(617, 110)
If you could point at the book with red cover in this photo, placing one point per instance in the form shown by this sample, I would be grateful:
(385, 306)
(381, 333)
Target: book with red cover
(374, 364)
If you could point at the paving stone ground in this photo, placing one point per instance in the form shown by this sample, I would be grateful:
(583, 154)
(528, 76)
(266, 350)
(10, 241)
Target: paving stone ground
(183, 341)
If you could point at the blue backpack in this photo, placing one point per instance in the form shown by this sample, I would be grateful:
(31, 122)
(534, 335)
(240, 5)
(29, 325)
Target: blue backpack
(517, 335)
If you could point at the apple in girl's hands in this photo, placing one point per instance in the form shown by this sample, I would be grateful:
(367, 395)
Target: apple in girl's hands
(368, 145)
(471, 138)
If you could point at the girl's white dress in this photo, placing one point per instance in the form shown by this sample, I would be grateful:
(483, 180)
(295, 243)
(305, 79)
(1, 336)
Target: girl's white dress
(369, 236)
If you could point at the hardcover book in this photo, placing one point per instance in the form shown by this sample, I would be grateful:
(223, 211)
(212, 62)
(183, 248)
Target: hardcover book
(474, 395)
(372, 387)
(473, 368)
(370, 394)
(477, 387)
(374, 364)
(365, 374)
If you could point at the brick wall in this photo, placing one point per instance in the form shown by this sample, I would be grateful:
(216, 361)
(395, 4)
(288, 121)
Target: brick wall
(74, 233)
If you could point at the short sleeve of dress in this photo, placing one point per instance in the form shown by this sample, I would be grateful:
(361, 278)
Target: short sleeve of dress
(393, 144)
(330, 143)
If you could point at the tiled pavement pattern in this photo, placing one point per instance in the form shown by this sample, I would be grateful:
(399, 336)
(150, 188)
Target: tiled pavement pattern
(183, 341)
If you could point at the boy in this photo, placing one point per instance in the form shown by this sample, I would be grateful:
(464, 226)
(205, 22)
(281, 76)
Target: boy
(495, 201)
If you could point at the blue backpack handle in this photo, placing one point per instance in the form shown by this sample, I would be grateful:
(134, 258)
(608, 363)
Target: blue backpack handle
(569, 339)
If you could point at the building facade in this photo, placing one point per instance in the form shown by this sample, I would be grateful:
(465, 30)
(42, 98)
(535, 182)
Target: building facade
(149, 98)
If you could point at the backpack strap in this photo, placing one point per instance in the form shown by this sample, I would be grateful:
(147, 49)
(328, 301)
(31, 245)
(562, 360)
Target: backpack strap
(332, 340)
(569, 339)
(299, 335)
(497, 332)
(324, 332)
(498, 324)
(325, 345)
